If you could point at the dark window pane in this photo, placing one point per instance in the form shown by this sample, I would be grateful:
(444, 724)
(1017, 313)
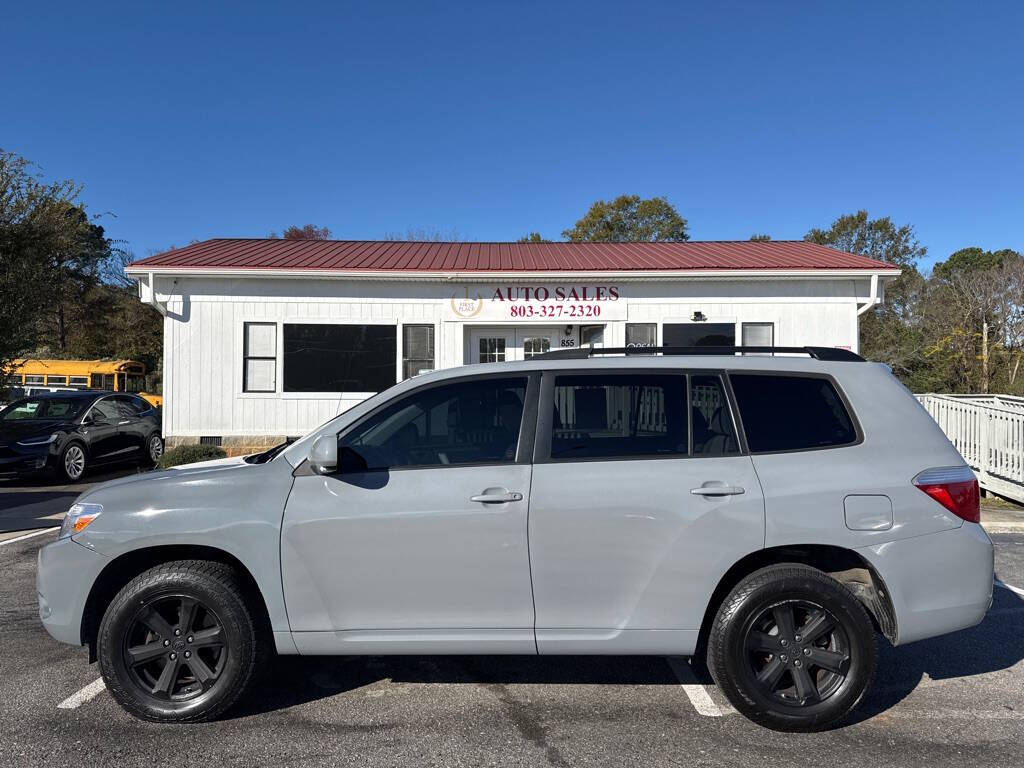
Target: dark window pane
(417, 349)
(791, 413)
(106, 410)
(618, 415)
(339, 358)
(713, 430)
(468, 422)
(699, 334)
(641, 334)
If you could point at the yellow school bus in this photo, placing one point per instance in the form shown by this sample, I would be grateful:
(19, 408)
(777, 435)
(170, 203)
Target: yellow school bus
(110, 375)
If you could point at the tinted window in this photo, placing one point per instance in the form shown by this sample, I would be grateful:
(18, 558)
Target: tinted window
(43, 408)
(713, 430)
(339, 358)
(467, 422)
(791, 413)
(618, 415)
(129, 407)
(106, 409)
(698, 334)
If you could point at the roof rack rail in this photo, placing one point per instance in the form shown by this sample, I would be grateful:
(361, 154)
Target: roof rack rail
(831, 354)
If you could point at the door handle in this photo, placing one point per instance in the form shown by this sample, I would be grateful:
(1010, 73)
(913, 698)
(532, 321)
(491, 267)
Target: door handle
(717, 489)
(122, 423)
(497, 496)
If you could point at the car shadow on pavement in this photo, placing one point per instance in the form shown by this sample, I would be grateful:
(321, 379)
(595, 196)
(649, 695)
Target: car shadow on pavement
(993, 645)
(294, 680)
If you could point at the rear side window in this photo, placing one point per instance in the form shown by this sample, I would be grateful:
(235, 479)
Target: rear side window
(791, 413)
(619, 415)
(713, 430)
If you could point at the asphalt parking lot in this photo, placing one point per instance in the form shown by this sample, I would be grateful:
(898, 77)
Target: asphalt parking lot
(948, 701)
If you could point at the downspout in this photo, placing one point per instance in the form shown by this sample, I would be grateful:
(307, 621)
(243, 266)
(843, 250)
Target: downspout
(152, 296)
(872, 299)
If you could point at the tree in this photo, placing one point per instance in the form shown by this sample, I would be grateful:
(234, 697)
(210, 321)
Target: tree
(45, 237)
(888, 332)
(628, 218)
(971, 260)
(306, 232)
(425, 235)
(533, 237)
(760, 238)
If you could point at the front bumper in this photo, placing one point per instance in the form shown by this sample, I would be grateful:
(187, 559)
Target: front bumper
(66, 572)
(23, 460)
(938, 583)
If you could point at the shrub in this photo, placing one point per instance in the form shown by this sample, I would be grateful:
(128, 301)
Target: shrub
(189, 454)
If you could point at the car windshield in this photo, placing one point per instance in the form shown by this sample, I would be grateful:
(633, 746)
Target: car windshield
(43, 408)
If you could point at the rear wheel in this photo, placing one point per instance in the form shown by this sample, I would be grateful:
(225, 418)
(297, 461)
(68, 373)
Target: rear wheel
(792, 648)
(179, 643)
(153, 450)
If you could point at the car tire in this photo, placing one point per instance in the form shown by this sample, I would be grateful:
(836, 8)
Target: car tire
(792, 648)
(152, 450)
(181, 643)
(72, 462)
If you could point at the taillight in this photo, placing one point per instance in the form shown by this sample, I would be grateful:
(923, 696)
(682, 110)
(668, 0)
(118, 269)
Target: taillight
(955, 488)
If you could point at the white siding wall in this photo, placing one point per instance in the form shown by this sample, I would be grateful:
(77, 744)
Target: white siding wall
(204, 327)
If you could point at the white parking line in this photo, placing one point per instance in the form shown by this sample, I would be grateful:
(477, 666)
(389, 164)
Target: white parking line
(1015, 590)
(695, 692)
(28, 536)
(77, 699)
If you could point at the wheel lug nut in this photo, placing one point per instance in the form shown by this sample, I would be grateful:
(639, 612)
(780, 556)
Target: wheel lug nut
(797, 638)
(166, 643)
(174, 656)
(188, 654)
(190, 638)
(784, 643)
(784, 657)
(798, 663)
(177, 632)
(807, 651)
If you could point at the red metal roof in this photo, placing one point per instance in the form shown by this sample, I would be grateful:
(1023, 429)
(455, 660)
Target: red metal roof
(404, 256)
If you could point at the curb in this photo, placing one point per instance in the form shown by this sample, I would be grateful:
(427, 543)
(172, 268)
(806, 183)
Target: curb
(1003, 527)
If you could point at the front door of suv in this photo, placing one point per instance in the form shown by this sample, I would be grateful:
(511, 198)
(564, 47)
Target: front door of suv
(418, 541)
(641, 501)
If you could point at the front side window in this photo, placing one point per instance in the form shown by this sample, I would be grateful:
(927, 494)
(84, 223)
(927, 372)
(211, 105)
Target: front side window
(339, 358)
(713, 430)
(106, 410)
(619, 415)
(791, 413)
(467, 422)
(259, 357)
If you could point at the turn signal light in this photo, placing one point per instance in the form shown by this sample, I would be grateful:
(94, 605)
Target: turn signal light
(955, 488)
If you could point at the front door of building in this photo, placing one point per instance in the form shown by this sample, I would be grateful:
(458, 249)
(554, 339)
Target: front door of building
(496, 345)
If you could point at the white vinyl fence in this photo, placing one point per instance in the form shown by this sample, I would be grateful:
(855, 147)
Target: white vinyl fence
(988, 430)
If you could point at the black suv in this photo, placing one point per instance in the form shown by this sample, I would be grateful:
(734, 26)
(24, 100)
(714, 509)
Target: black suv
(69, 431)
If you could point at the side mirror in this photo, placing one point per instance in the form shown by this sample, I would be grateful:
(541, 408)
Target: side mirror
(323, 456)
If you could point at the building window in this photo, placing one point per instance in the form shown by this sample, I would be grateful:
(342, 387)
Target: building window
(259, 357)
(57, 380)
(417, 350)
(492, 349)
(758, 335)
(79, 381)
(536, 345)
(339, 358)
(699, 334)
(33, 379)
(641, 334)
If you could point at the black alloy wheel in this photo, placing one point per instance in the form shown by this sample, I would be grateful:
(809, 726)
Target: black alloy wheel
(792, 648)
(182, 642)
(797, 653)
(174, 648)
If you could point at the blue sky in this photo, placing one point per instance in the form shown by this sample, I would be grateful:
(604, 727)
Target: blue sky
(495, 119)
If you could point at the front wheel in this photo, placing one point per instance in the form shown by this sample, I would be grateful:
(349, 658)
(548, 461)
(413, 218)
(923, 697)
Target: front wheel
(72, 462)
(179, 643)
(792, 648)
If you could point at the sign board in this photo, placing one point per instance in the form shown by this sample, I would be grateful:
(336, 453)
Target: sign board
(561, 303)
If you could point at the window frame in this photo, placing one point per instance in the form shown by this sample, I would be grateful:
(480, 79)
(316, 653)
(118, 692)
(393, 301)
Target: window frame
(247, 357)
(356, 395)
(850, 412)
(402, 351)
(542, 443)
(527, 429)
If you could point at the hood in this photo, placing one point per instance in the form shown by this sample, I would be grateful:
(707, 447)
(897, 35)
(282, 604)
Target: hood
(19, 429)
(181, 472)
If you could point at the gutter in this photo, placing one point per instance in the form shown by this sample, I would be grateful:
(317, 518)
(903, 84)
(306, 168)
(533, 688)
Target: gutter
(874, 298)
(483, 276)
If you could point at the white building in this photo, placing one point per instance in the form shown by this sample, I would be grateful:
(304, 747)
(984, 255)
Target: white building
(265, 339)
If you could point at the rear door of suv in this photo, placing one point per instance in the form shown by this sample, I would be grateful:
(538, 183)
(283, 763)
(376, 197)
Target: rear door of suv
(642, 497)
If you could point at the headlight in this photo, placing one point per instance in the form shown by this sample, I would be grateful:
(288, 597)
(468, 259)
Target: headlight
(39, 440)
(78, 519)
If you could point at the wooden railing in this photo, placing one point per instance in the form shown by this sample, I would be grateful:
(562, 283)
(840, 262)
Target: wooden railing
(988, 430)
